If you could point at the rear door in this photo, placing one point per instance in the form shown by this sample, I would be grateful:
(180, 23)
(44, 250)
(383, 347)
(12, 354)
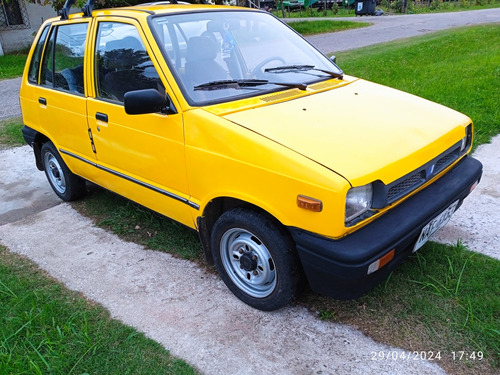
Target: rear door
(60, 91)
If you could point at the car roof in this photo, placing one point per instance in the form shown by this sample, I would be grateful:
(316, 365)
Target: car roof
(161, 7)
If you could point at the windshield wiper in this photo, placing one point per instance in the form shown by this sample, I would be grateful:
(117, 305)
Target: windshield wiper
(295, 68)
(238, 83)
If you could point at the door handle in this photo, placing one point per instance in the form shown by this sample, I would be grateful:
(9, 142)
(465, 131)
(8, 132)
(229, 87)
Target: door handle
(42, 101)
(101, 117)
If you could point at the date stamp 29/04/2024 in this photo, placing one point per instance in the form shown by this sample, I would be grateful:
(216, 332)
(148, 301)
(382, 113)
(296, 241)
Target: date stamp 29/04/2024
(395, 355)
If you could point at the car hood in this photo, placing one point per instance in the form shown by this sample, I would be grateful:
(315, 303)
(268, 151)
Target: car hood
(362, 131)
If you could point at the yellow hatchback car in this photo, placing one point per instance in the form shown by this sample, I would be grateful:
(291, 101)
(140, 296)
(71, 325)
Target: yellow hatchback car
(229, 122)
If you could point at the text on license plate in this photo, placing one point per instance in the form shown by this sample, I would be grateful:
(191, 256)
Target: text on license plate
(434, 225)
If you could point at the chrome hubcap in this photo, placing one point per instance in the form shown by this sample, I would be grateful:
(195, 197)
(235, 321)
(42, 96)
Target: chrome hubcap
(55, 173)
(248, 262)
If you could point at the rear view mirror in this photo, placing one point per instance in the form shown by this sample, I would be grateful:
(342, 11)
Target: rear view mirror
(140, 102)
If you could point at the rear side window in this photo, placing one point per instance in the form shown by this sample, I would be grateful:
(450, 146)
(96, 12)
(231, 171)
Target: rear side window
(122, 62)
(62, 66)
(37, 56)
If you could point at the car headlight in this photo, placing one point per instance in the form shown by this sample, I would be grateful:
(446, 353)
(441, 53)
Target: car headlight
(358, 201)
(466, 141)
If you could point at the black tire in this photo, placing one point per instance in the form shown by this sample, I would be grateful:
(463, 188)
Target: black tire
(256, 259)
(65, 184)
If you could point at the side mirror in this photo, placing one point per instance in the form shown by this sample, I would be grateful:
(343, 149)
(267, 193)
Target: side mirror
(334, 59)
(139, 102)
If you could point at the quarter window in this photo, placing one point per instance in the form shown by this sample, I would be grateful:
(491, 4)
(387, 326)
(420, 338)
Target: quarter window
(62, 66)
(35, 60)
(122, 63)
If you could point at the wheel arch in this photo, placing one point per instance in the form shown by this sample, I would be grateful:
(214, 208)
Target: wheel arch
(38, 142)
(218, 206)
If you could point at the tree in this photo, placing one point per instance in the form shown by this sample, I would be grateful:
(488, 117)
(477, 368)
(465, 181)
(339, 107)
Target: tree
(58, 4)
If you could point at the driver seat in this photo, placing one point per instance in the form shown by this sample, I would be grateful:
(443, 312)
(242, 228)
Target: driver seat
(201, 66)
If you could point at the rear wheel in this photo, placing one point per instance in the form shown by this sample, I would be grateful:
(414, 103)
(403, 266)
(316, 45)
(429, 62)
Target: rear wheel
(255, 258)
(64, 183)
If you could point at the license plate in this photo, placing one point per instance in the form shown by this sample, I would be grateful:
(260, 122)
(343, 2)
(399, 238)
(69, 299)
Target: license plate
(434, 225)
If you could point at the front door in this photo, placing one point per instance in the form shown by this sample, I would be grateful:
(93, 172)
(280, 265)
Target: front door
(141, 156)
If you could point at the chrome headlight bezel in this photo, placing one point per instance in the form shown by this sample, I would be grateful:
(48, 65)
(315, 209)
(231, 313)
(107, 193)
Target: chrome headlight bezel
(358, 201)
(467, 140)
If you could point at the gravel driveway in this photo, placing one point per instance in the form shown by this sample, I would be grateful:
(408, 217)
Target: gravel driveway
(190, 312)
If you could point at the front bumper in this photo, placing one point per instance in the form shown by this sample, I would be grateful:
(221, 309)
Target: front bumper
(339, 268)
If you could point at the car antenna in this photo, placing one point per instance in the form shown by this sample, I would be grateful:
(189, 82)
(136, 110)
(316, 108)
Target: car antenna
(87, 8)
(64, 12)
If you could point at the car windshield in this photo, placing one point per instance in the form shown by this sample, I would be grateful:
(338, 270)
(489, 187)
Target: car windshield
(219, 56)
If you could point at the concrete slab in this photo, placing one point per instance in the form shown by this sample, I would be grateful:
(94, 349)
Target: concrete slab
(190, 312)
(24, 189)
(477, 222)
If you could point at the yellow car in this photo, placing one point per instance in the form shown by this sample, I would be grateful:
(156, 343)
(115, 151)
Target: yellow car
(227, 121)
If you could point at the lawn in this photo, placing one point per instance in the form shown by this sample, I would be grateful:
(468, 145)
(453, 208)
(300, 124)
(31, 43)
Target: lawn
(46, 329)
(458, 68)
(445, 299)
(324, 26)
(10, 132)
(12, 66)
(392, 7)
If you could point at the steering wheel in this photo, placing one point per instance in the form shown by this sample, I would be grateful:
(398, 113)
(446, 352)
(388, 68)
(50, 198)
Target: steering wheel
(257, 71)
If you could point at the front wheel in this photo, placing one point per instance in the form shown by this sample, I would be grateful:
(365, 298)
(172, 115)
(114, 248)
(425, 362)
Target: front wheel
(255, 258)
(64, 183)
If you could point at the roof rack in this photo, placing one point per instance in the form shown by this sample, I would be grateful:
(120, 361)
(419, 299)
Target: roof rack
(87, 9)
(165, 2)
(64, 12)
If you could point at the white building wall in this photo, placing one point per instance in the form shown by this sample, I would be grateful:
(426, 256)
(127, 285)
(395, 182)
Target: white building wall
(18, 39)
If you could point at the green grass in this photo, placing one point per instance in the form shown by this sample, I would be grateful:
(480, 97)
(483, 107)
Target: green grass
(324, 26)
(314, 12)
(458, 68)
(12, 66)
(46, 329)
(441, 300)
(10, 132)
(444, 6)
(444, 299)
(394, 7)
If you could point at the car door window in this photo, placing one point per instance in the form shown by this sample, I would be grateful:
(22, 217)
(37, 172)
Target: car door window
(122, 62)
(62, 66)
(47, 74)
(37, 55)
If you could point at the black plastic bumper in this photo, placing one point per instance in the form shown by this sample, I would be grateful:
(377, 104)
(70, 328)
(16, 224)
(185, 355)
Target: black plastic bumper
(339, 268)
(29, 135)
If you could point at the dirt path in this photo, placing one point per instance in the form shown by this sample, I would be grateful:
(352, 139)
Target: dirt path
(388, 28)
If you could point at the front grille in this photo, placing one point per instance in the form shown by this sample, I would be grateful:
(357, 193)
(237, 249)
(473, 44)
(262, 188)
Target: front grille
(405, 186)
(387, 194)
(446, 160)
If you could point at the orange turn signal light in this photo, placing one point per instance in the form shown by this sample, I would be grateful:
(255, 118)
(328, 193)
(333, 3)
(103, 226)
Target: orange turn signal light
(308, 203)
(380, 262)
